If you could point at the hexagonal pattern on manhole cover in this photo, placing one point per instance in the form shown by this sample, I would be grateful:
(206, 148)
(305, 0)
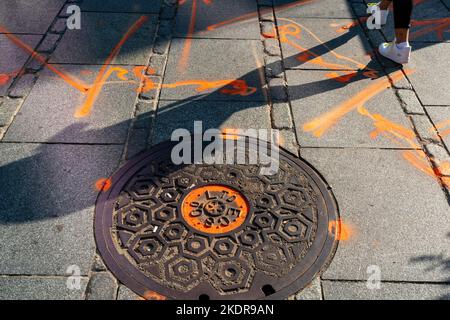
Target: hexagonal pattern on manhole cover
(219, 231)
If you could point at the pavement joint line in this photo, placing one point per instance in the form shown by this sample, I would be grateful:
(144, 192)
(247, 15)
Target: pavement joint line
(390, 281)
(37, 276)
(358, 147)
(63, 143)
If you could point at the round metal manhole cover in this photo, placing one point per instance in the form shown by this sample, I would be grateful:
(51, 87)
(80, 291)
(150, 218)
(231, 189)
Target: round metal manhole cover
(218, 231)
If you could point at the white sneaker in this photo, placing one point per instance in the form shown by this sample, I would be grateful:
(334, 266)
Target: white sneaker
(374, 6)
(392, 52)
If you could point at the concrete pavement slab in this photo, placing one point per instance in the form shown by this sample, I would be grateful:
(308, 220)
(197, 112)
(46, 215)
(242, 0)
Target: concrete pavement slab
(393, 216)
(313, 9)
(344, 290)
(218, 19)
(126, 294)
(208, 68)
(313, 95)
(324, 44)
(46, 209)
(441, 119)
(218, 115)
(24, 16)
(100, 33)
(136, 6)
(431, 73)
(13, 58)
(39, 288)
(49, 112)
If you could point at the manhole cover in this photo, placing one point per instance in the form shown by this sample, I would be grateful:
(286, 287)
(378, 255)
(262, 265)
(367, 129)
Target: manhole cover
(221, 231)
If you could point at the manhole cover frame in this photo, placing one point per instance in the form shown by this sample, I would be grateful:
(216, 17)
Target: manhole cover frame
(317, 259)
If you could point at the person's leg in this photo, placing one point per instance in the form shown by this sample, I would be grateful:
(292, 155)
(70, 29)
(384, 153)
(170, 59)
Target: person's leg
(402, 20)
(400, 50)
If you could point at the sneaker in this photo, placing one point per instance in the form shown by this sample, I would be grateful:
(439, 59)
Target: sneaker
(375, 6)
(392, 52)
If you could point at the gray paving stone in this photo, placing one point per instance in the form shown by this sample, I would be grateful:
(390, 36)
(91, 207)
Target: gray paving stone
(440, 117)
(218, 115)
(311, 292)
(100, 33)
(281, 115)
(226, 60)
(48, 113)
(429, 77)
(288, 141)
(388, 207)
(39, 288)
(13, 58)
(410, 102)
(8, 107)
(47, 198)
(341, 290)
(126, 294)
(136, 6)
(314, 9)
(347, 50)
(440, 156)
(312, 95)
(424, 128)
(101, 286)
(24, 16)
(221, 19)
(23, 86)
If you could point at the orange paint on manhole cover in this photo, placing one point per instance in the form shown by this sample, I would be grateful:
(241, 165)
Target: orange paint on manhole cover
(214, 209)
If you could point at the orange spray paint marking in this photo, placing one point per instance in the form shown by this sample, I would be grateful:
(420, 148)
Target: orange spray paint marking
(152, 295)
(323, 123)
(340, 230)
(71, 80)
(236, 87)
(103, 75)
(103, 184)
(440, 26)
(404, 137)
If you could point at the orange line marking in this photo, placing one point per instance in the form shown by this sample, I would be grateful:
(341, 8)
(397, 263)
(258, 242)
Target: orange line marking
(103, 75)
(323, 123)
(71, 80)
(188, 42)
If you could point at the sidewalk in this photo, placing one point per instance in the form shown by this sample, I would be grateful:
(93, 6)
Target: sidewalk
(379, 134)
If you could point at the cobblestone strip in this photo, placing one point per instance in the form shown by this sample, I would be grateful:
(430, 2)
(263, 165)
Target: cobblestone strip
(280, 109)
(28, 75)
(140, 134)
(427, 134)
(102, 284)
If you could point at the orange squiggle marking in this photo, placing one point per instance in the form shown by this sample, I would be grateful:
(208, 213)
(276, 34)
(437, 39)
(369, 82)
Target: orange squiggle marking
(103, 75)
(434, 25)
(71, 80)
(318, 126)
(237, 87)
(405, 137)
